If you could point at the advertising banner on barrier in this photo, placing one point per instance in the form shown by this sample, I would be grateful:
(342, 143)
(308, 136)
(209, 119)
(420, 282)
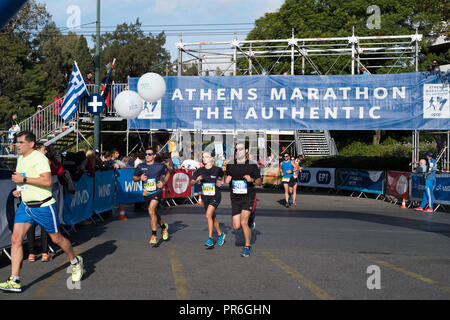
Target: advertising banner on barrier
(360, 180)
(317, 177)
(79, 206)
(8, 205)
(406, 101)
(271, 175)
(127, 190)
(178, 184)
(441, 190)
(397, 184)
(104, 191)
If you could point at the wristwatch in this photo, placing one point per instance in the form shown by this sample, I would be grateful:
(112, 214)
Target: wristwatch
(24, 179)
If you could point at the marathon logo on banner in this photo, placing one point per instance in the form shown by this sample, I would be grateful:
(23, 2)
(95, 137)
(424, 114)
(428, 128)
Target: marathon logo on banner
(317, 177)
(397, 184)
(360, 180)
(441, 191)
(104, 191)
(178, 185)
(79, 206)
(406, 101)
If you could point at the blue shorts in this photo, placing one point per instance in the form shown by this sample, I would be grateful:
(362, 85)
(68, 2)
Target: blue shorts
(46, 217)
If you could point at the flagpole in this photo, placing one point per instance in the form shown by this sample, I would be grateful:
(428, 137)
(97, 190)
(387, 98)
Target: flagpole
(97, 79)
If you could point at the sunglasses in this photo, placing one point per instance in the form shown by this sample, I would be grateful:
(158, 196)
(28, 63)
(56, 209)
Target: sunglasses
(240, 149)
(149, 154)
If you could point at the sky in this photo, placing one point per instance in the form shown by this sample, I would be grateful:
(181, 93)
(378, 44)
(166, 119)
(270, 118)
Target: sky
(157, 15)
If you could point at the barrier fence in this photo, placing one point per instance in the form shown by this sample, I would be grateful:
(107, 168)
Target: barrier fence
(109, 188)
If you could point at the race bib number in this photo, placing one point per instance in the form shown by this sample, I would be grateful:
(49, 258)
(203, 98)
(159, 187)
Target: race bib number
(286, 179)
(239, 186)
(150, 185)
(22, 187)
(208, 189)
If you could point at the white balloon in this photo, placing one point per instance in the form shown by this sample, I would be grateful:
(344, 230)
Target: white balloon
(128, 104)
(151, 87)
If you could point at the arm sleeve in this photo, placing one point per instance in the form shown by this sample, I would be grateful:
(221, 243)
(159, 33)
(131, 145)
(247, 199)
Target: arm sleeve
(195, 174)
(256, 174)
(137, 171)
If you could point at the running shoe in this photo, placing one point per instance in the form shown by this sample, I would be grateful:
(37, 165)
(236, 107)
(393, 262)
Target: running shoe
(291, 201)
(209, 242)
(246, 252)
(10, 285)
(45, 257)
(287, 205)
(77, 270)
(221, 239)
(153, 239)
(418, 209)
(428, 210)
(294, 203)
(165, 232)
(32, 257)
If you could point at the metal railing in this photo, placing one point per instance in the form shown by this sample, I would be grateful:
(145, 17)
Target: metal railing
(47, 123)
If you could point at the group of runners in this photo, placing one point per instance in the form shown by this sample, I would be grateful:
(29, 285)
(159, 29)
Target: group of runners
(37, 206)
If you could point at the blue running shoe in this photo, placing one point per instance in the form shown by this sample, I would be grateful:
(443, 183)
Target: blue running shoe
(291, 201)
(209, 242)
(246, 252)
(221, 239)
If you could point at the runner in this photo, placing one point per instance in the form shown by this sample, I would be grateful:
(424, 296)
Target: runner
(287, 170)
(153, 176)
(210, 177)
(34, 182)
(242, 177)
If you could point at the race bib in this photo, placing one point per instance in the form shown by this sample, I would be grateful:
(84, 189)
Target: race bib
(239, 186)
(22, 187)
(286, 179)
(208, 189)
(150, 185)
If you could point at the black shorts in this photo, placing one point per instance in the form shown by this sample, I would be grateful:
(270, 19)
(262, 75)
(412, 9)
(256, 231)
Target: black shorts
(212, 200)
(292, 182)
(247, 203)
(155, 196)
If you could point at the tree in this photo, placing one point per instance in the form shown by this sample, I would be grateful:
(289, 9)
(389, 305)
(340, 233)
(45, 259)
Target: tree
(135, 52)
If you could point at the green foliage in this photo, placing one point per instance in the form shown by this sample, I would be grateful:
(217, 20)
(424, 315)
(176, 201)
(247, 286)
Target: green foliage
(337, 18)
(136, 53)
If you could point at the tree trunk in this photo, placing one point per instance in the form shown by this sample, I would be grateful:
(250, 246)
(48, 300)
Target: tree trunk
(377, 137)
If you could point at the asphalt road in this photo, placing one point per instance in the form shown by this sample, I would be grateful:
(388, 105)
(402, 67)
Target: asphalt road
(327, 247)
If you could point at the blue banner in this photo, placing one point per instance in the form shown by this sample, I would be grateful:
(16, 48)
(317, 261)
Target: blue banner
(441, 191)
(104, 191)
(127, 190)
(407, 101)
(360, 180)
(79, 206)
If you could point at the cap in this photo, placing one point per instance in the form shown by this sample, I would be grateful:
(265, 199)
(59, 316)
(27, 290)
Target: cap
(429, 154)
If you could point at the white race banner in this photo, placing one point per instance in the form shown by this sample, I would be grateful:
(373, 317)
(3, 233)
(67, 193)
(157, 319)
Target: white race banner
(317, 177)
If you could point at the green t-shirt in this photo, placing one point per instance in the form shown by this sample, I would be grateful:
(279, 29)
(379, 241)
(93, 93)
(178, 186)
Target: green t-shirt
(33, 166)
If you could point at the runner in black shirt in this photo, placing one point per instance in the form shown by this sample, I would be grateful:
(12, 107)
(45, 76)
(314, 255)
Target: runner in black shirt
(211, 179)
(242, 177)
(154, 176)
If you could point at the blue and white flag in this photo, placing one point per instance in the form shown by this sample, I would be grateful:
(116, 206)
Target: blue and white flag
(76, 90)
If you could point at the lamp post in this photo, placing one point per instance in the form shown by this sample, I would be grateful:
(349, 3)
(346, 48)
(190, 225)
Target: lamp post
(97, 79)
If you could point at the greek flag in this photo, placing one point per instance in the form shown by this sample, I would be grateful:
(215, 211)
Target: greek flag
(76, 90)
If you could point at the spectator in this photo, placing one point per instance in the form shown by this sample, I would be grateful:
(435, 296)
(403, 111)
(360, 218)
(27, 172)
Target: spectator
(435, 66)
(190, 164)
(88, 79)
(2, 143)
(422, 167)
(58, 101)
(13, 129)
(31, 234)
(126, 161)
(139, 159)
(430, 68)
(176, 159)
(90, 163)
(363, 70)
(37, 121)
